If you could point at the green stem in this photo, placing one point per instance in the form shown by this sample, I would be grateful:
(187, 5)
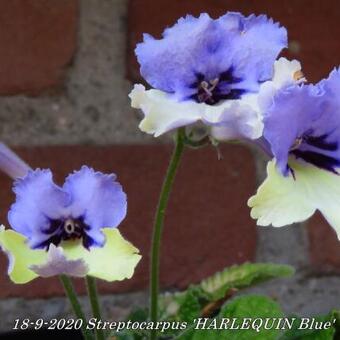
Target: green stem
(72, 296)
(158, 226)
(92, 292)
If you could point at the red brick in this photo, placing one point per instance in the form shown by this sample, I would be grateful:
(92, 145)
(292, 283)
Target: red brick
(37, 39)
(313, 24)
(324, 246)
(207, 227)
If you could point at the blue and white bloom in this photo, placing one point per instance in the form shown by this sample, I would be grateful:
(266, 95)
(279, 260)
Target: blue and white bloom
(68, 230)
(211, 71)
(302, 128)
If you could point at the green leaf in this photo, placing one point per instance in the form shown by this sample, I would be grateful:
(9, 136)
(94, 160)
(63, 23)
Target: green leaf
(189, 306)
(251, 306)
(184, 305)
(127, 335)
(242, 276)
(139, 315)
(216, 287)
(311, 334)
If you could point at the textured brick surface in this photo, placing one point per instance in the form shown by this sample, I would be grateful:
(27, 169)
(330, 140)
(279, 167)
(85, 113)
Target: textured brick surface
(94, 107)
(324, 246)
(37, 39)
(312, 25)
(208, 226)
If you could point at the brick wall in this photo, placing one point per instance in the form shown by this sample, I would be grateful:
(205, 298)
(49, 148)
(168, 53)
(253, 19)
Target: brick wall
(38, 40)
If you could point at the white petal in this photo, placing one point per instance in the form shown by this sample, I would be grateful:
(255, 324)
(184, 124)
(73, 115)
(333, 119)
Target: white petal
(286, 73)
(162, 112)
(284, 200)
(238, 119)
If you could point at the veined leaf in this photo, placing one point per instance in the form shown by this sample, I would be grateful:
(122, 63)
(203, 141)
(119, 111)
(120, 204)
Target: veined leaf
(242, 276)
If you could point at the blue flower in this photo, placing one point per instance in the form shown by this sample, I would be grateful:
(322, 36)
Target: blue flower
(48, 214)
(69, 229)
(210, 70)
(212, 60)
(302, 128)
(304, 122)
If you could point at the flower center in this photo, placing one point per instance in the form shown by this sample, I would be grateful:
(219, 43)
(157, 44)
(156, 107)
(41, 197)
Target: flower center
(66, 229)
(212, 91)
(205, 90)
(71, 227)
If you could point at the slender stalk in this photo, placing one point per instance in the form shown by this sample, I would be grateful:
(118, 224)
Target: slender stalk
(72, 296)
(92, 292)
(158, 227)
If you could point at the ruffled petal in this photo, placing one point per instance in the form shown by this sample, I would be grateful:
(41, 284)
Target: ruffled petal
(283, 200)
(38, 200)
(260, 42)
(162, 112)
(98, 199)
(21, 256)
(331, 86)
(57, 264)
(290, 115)
(169, 63)
(244, 47)
(220, 63)
(115, 261)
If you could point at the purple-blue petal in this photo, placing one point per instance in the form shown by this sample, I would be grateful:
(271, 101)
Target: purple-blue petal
(304, 121)
(48, 214)
(258, 47)
(239, 50)
(38, 200)
(98, 198)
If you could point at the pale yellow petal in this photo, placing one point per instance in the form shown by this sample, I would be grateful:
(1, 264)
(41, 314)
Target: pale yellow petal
(284, 200)
(21, 256)
(115, 261)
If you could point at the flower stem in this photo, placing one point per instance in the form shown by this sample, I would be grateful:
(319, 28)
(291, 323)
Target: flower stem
(158, 226)
(72, 296)
(92, 292)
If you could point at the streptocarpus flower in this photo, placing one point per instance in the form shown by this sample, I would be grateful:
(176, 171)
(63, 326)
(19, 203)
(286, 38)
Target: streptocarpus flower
(211, 71)
(68, 230)
(302, 127)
